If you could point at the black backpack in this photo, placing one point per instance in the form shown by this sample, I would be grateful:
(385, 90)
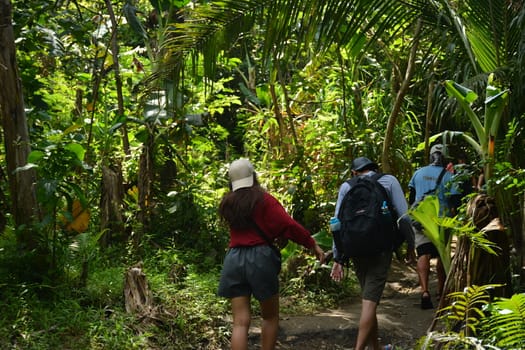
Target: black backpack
(368, 221)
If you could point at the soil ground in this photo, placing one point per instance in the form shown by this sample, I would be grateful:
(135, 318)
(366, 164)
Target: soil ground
(401, 320)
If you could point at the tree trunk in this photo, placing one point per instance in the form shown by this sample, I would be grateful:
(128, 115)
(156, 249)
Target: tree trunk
(111, 220)
(392, 120)
(145, 180)
(118, 78)
(33, 257)
(137, 295)
(16, 137)
(277, 142)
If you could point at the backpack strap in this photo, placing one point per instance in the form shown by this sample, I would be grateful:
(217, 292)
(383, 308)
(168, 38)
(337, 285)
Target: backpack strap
(376, 177)
(438, 182)
(440, 177)
(397, 240)
(261, 233)
(352, 181)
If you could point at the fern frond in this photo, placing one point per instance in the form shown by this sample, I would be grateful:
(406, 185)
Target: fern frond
(467, 308)
(506, 322)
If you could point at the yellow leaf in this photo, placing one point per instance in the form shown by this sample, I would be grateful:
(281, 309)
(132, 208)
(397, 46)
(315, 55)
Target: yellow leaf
(80, 216)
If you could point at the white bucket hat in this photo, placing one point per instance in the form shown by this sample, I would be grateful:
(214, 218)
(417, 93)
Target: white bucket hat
(241, 174)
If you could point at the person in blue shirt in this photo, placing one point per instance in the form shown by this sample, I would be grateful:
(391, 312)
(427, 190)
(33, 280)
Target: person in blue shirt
(430, 179)
(371, 271)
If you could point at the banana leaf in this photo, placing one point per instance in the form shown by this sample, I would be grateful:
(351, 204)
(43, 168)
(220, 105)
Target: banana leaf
(427, 214)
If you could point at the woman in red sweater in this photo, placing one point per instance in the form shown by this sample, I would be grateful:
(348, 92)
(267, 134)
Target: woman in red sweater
(252, 265)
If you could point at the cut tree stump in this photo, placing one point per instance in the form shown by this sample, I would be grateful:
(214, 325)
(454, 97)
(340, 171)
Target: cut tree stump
(137, 295)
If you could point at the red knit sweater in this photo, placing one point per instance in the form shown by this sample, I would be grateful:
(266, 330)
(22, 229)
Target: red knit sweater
(273, 219)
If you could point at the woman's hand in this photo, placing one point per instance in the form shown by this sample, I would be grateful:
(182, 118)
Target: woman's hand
(411, 258)
(337, 273)
(319, 253)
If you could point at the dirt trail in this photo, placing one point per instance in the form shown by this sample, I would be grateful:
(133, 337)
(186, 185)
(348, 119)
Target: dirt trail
(401, 321)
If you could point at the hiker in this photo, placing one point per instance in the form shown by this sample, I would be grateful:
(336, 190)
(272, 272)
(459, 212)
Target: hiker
(431, 179)
(371, 270)
(252, 263)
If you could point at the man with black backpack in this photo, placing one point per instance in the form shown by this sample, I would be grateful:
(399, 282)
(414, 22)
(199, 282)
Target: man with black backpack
(431, 179)
(364, 228)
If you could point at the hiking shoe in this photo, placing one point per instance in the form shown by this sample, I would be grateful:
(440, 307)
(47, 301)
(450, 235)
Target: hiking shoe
(426, 302)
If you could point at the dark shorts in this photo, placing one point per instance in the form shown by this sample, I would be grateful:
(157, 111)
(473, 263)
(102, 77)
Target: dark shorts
(427, 249)
(372, 272)
(250, 271)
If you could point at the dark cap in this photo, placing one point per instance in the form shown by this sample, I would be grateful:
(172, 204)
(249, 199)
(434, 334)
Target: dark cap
(363, 163)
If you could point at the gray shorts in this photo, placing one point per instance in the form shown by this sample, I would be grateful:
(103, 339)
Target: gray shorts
(372, 272)
(250, 271)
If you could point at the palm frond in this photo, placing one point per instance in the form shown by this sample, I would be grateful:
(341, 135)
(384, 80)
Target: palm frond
(457, 25)
(492, 37)
(518, 62)
(210, 28)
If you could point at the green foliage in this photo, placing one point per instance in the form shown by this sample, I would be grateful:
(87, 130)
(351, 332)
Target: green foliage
(61, 198)
(187, 294)
(85, 248)
(475, 320)
(327, 109)
(28, 322)
(116, 332)
(440, 229)
(105, 286)
(306, 286)
(496, 100)
(184, 284)
(466, 310)
(55, 166)
(506, 322)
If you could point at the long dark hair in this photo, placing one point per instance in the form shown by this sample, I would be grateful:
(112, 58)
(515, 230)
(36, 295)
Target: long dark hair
(236, 207)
